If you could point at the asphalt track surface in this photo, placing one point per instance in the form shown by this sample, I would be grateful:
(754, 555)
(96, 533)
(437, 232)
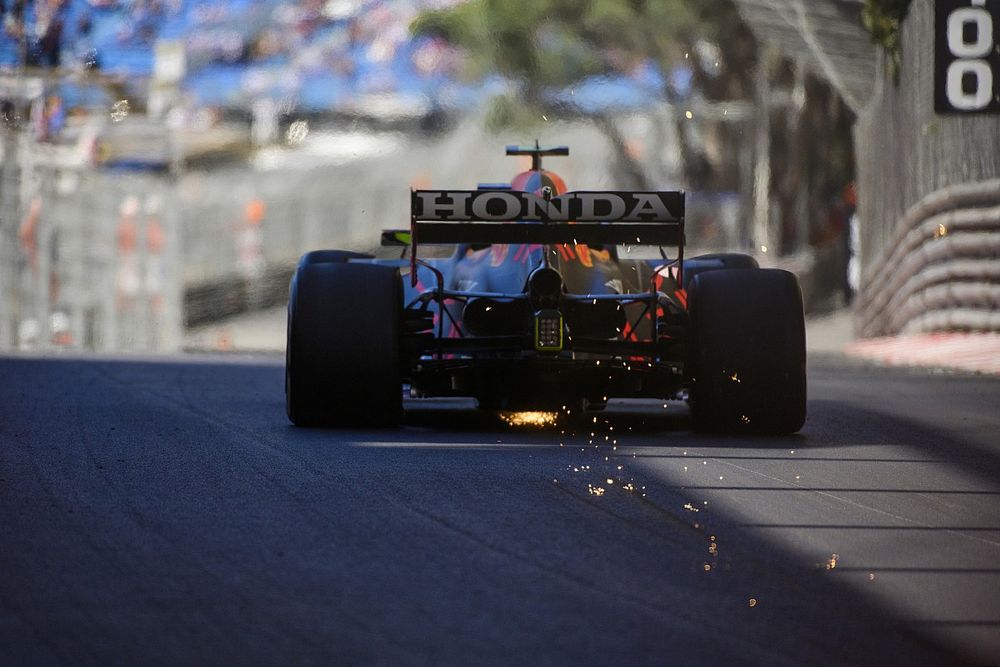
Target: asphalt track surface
(164, 512)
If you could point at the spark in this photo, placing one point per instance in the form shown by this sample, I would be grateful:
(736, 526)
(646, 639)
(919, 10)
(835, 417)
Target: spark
(753, 602)
(297, 132)
(535, 419)
(120, 111)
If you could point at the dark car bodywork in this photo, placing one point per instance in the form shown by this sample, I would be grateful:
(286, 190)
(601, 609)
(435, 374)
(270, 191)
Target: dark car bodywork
(622, 319)
(545, 303)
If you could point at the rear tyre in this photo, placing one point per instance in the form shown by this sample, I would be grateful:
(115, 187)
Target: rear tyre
(747, 369)
(331, 256)
(714, 262)
(342, 352)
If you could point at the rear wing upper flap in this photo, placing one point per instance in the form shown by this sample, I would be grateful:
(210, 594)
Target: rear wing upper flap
(586, 217)
(490, 205)
(594, 217)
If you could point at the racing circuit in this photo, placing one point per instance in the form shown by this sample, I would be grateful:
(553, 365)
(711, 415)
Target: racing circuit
(165, 511)
(162, 509)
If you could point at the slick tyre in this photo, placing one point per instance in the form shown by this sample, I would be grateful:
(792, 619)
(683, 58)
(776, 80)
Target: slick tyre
(715, 262)
(747, 370)
(342, 352)
(330, 256)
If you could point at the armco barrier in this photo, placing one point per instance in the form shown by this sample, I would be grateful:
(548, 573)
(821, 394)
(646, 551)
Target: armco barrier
(232, 294)
(928, 200)
(941, 270)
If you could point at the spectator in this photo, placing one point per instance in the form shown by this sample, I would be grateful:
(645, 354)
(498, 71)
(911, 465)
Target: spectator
(44, 51)
(8, 115)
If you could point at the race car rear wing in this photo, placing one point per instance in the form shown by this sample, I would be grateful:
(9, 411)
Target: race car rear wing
(589, 217)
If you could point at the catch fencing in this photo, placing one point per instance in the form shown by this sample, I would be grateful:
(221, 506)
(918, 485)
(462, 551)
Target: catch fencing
(112, 260)
(99, 259)
(85, 257)
(107, 260)
(929, 202)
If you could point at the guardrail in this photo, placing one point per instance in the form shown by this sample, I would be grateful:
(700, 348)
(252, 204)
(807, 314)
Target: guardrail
(942, 269)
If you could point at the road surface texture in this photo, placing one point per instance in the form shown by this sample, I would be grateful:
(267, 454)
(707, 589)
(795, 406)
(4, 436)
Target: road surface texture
(165, 512)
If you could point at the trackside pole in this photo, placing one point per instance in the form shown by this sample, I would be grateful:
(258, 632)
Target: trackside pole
(413, 239)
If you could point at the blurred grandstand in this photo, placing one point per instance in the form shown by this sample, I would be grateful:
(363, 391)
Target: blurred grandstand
(352, 57)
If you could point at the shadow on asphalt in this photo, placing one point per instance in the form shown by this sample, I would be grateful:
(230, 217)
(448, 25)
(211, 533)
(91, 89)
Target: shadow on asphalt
(232, 411)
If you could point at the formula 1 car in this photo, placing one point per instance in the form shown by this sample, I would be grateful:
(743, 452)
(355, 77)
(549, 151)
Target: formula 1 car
(540, 307)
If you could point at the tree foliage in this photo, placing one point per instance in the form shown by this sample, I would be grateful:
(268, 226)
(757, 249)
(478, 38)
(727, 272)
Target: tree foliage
(884, 19)
(554, 43)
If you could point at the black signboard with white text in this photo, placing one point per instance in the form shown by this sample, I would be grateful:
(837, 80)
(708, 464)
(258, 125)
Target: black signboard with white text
(967, 56)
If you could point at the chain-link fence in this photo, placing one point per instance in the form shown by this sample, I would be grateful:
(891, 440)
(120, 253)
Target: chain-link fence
(99, 259)
(907, 155)
(86, 257)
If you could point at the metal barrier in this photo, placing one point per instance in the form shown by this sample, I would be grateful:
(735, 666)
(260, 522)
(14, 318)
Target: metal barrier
(226, 240)
(928, 198)
(941, 268)
(86, 258)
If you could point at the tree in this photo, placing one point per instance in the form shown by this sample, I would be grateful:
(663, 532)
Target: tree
(547, 45)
